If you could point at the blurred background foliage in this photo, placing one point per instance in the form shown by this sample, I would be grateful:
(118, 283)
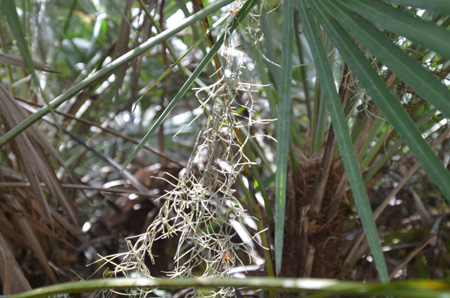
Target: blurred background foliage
(64, 199)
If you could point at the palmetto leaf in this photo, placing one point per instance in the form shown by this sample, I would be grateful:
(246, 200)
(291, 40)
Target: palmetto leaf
(284, 117)
(405, 67)
(385, 100)
(338, 21)
(439, 6)
(343, 138)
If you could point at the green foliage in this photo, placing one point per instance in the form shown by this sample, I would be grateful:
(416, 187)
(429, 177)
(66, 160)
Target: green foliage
(319, 287)
(283, 129)
(291, 120)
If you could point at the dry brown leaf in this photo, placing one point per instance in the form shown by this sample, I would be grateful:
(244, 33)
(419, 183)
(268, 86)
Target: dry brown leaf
(21, 146)
(33, 241)
(11, 276)
(32, 151)
(7, 228)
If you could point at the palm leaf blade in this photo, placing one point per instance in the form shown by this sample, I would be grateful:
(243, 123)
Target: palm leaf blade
(384, 99)
(284, 117)
(344, 141)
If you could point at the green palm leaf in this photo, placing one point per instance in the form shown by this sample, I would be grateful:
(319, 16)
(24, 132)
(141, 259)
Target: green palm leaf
(343, 139)
(284, 117)
(385, 100)
(439, 6)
